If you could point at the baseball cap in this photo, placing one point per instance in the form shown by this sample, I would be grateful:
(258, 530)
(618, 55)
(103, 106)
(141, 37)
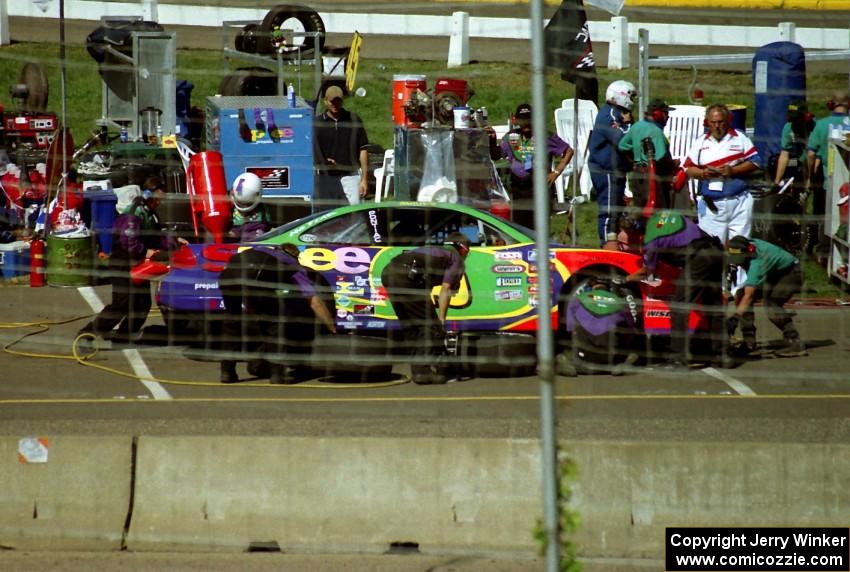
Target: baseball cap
(333, 92)
(523, 112)
(660, 105)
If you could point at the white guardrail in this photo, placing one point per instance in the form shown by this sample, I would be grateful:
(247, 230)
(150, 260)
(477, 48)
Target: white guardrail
(618, 32)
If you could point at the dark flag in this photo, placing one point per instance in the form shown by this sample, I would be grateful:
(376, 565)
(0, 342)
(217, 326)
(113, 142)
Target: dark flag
(568, 49)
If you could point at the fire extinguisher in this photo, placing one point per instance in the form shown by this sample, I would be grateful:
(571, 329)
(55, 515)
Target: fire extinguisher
(208, 189)
(38, 248)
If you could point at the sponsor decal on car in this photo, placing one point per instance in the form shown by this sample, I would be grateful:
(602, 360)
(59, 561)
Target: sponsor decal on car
(346, 260)
(532, 290)
(507, 269)
(376, 324)
(364, 310)
(308, 237)
(507, 281)
(533, 301)
(341, 313)
(206, 285)
(507, 295)
(373, 220)
(658, 314)
(508, 255)
(342, 300)
(361, 281)
(349, 288)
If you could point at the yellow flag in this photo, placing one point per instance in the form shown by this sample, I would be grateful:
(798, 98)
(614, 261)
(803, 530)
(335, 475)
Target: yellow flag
(353, 60)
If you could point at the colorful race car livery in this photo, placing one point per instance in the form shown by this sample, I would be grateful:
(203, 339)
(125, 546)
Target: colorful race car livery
(351, 245)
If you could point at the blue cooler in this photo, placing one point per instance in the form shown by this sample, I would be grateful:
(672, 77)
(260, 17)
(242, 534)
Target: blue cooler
(100, 205)
(15, 259)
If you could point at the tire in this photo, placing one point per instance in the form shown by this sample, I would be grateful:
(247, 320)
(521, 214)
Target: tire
(352, 358)
(251, 81)
(297, 18)
(246, 39)
(501, 354)
(32, 75)
(177, 328)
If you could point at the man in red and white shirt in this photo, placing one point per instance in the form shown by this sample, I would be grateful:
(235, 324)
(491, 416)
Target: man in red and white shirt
(722, 161)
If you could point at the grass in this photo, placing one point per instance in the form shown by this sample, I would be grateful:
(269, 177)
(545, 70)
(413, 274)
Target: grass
(498, 86)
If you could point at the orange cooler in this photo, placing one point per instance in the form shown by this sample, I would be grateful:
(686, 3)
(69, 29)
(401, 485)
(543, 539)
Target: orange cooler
(403, 86)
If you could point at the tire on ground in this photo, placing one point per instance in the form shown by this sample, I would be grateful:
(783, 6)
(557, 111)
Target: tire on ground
(501, 354)
(353, 358)
(300, 18)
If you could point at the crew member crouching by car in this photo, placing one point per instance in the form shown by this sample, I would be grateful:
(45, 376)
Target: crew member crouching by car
(603, 333)
(274, 305)
(774, 275)
(408, 280)
(676, 240)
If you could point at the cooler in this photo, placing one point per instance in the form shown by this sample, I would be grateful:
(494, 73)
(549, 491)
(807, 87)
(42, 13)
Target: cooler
(99, 212)
(263, 135)
(15, 259)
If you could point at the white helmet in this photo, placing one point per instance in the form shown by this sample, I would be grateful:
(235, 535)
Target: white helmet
(621, 93)
(246, 192)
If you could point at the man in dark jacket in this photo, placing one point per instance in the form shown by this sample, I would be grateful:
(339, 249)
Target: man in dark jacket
(340, 150)
(138, 236)
(408, 280)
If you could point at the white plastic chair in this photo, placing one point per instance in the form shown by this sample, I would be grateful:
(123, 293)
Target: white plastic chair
(683, 127)
(384, 175)
(564, 116)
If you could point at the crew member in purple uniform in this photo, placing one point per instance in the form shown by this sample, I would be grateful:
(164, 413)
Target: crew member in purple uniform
(409, 279)
(273, 305)
(676, 240)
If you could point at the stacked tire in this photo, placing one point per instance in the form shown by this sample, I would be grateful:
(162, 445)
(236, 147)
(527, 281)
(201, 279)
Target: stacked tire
(254, 38)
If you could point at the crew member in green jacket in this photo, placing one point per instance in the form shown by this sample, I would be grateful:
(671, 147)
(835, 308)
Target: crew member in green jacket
(773, 275)
(645, 136)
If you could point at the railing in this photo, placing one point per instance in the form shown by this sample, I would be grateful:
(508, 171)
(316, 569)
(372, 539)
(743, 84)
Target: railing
(618, 32)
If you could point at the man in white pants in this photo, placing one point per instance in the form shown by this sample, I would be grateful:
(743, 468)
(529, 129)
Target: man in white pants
(721, 160)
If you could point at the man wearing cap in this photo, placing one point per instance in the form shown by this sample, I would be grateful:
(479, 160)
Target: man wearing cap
(645, 137)
(773, 275)
(339, 147)
(518, 147)
(818, 150)
(722, 161)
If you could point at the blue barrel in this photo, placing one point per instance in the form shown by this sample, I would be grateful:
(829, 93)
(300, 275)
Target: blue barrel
(101, 206)
(779, 76)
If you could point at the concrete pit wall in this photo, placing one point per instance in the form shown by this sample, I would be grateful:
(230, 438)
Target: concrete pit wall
(472, 496)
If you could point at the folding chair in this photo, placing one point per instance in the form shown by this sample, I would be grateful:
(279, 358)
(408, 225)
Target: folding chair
(384, 176)
(587, 111)
(683, 127)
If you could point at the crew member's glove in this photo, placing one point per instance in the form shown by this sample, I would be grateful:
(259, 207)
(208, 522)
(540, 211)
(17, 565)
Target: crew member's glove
(732, 324)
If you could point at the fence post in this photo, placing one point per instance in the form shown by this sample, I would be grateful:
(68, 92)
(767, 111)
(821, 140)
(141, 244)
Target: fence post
(787, 31)
(618, 47)
(643, 71)
(4, 24)
(149, 10)
(459, 42)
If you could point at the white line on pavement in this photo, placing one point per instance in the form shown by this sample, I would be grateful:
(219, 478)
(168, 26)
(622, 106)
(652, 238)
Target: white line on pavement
(140, 367)
(89, 295)
(739, 386)
(133, 356)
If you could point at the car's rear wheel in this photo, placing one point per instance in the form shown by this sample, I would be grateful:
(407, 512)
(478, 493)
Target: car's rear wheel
(499, 354)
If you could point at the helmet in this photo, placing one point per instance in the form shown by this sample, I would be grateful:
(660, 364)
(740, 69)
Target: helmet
(621, 93)
(246, 192)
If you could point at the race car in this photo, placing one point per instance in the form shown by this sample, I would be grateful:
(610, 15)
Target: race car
(350, 246)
